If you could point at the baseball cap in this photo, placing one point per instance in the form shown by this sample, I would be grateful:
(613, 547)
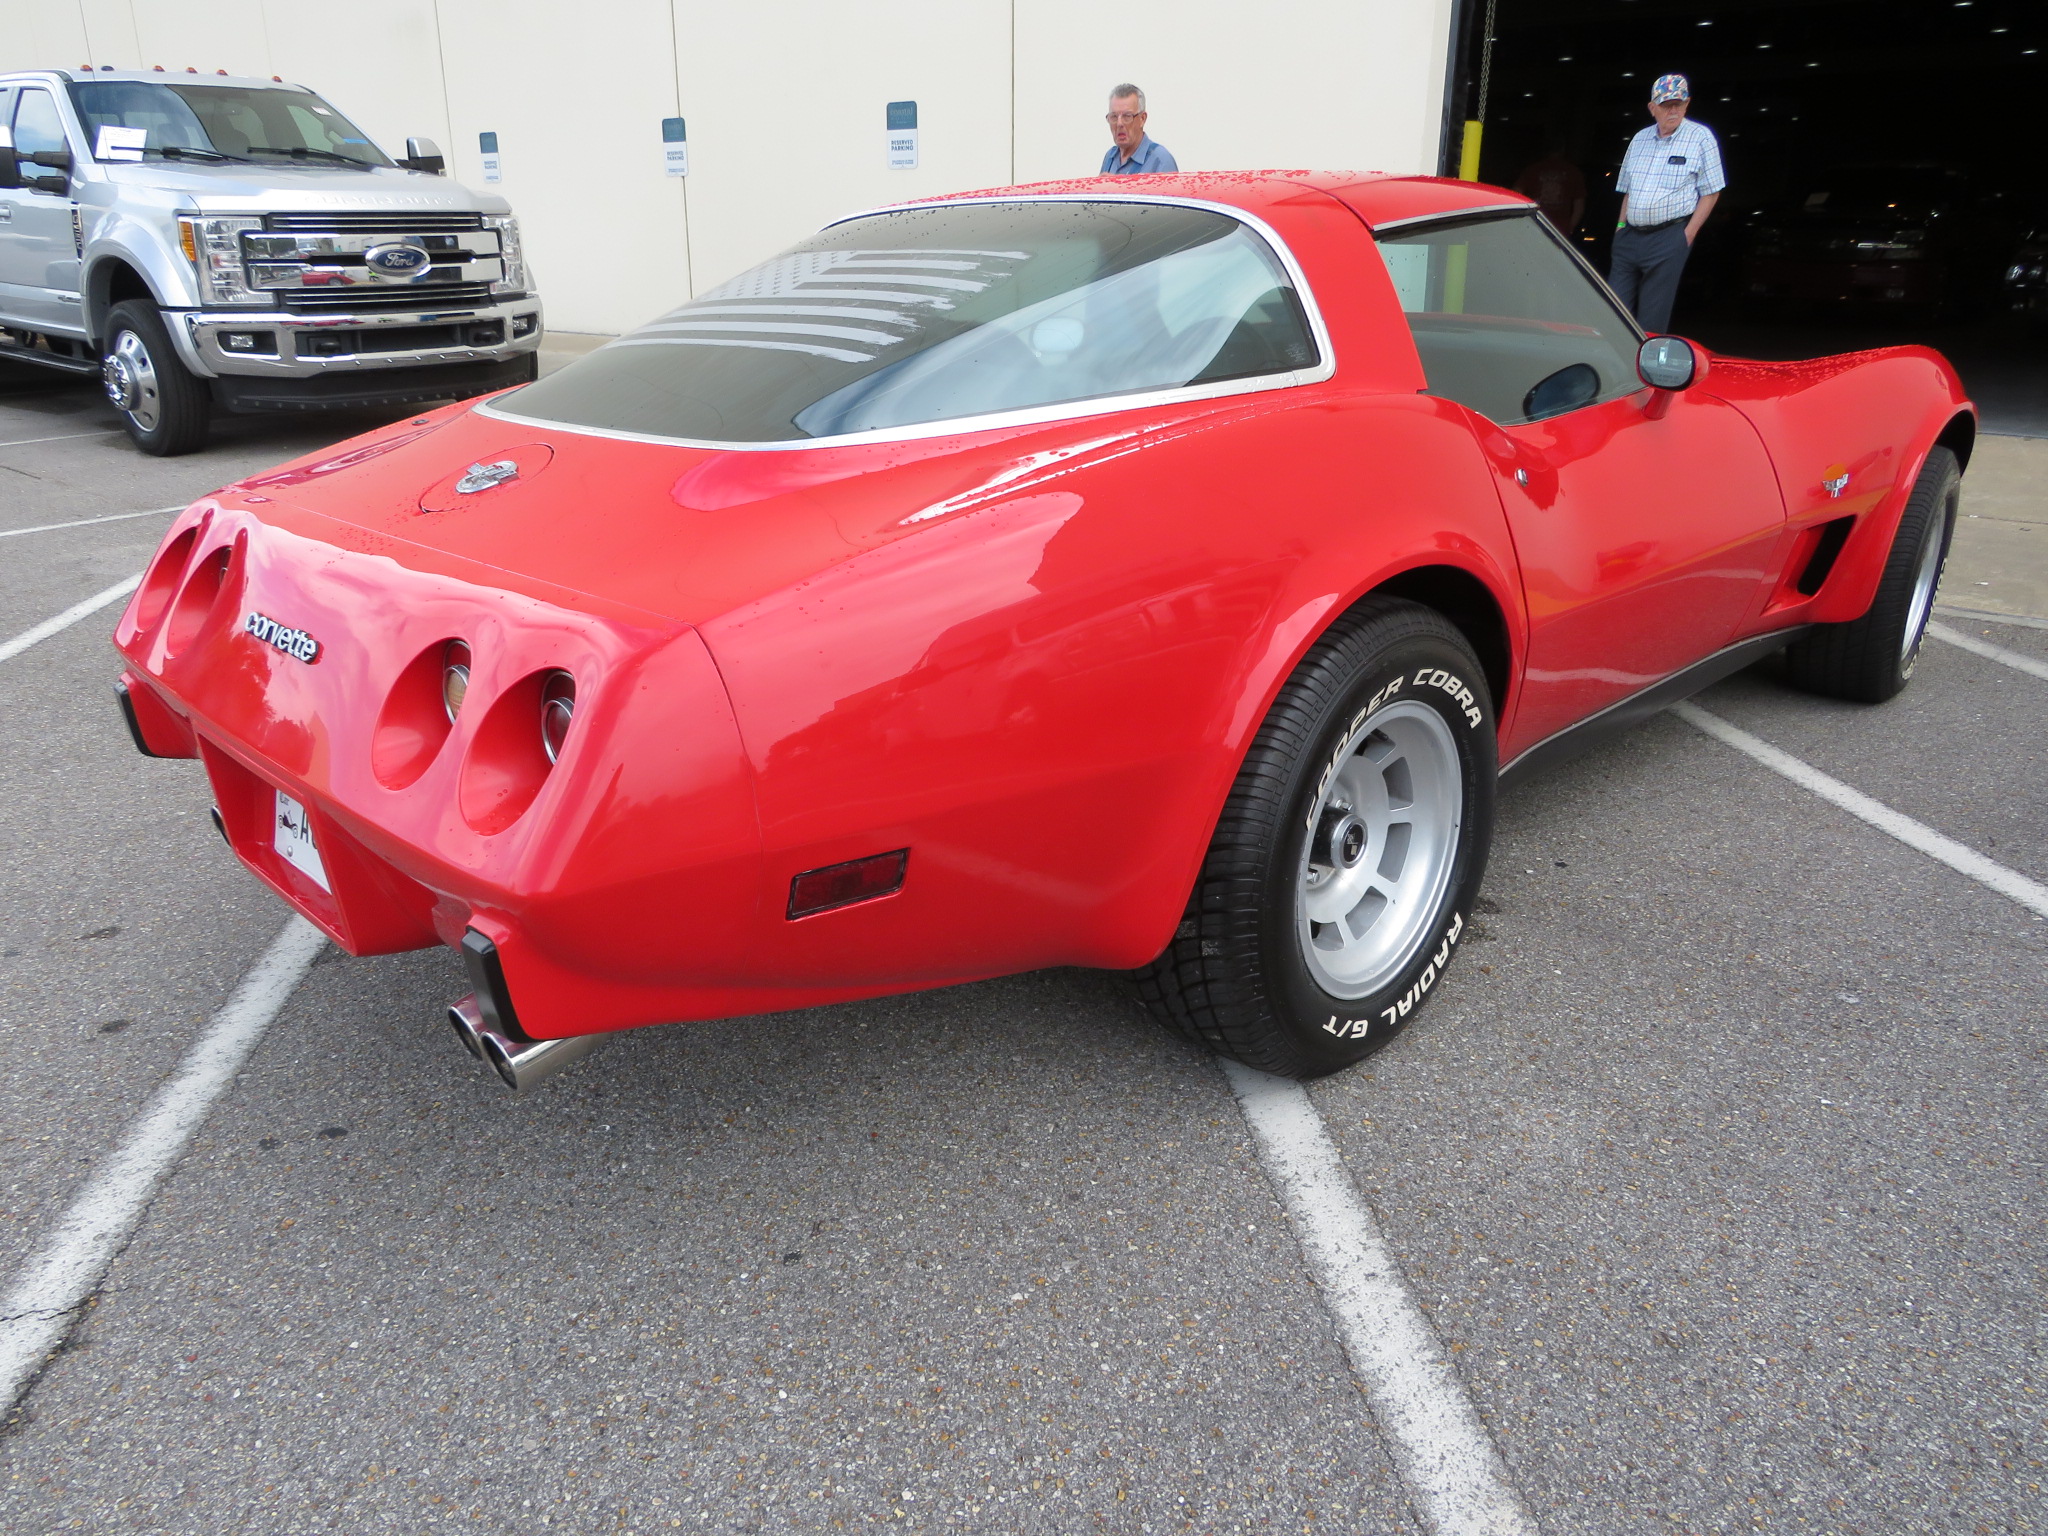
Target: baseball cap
(1670, 88)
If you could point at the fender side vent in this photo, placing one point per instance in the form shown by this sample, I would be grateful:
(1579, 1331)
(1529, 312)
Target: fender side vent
(1829, 545)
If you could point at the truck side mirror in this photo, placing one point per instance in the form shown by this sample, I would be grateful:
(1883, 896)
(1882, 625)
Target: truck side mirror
(58, 160)
(10, 169)
(424, 155)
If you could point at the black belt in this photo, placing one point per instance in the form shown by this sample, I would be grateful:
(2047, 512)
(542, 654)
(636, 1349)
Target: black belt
(1652, 229)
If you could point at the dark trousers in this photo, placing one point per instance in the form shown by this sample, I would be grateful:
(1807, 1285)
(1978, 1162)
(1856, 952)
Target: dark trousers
(1645, 270)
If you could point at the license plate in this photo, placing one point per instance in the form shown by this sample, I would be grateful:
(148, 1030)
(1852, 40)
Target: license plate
(294, 841)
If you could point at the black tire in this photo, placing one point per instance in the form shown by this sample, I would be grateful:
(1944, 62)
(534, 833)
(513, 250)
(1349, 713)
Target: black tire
(1394, 679)
(163, 408)
(1870, 659)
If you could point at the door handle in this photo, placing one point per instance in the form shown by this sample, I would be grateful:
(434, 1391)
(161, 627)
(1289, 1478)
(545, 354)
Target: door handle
(6, 213)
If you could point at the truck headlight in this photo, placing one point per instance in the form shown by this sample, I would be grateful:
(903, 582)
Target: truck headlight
(510, 254)
(214, 247)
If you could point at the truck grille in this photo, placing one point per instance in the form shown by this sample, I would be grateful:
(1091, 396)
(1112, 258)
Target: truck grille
(422, 296)
(399, 221)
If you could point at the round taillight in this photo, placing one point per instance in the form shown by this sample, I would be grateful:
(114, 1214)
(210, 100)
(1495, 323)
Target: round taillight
(557, 709)
(454, 678)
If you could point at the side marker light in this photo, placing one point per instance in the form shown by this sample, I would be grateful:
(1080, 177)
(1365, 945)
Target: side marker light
(841, 885)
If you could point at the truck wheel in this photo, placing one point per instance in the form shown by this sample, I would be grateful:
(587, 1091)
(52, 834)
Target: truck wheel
(1870, 659)
(1348, 855)
(163, 407)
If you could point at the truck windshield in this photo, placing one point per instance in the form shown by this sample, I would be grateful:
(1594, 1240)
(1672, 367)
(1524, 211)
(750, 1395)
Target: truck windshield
(932, 314)
(204, 122)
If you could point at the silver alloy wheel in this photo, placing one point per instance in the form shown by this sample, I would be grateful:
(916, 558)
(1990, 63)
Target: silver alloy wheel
(1926, 572)
(1383, 837)
(130, 377)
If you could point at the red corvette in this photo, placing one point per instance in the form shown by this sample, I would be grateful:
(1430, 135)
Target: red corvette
(1156, 574)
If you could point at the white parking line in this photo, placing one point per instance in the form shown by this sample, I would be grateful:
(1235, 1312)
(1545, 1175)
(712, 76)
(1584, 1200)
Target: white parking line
(117, 517)
(23, 442)
(2024, 621)
(69, 617)
(66, 1269)
(2007, 882)
(1987, 650)
(1459, 1481)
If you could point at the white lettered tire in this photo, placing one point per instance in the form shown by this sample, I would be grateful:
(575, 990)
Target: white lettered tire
(1341, 877)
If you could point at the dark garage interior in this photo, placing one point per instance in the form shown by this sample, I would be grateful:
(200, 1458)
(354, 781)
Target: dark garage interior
(1885, 184)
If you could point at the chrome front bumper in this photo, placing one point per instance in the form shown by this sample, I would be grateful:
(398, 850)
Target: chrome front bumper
(308, 345)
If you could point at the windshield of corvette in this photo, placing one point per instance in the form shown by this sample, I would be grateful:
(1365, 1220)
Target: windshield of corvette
(932, 314)
(141, 119)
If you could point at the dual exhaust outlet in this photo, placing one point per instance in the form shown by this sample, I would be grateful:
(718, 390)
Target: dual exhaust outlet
(519, 1063)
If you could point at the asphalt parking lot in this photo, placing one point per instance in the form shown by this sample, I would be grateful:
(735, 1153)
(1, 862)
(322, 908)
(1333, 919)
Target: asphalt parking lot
(1715, 1166)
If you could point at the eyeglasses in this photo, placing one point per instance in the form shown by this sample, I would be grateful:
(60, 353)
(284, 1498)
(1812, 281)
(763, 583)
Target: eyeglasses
(1121, 117)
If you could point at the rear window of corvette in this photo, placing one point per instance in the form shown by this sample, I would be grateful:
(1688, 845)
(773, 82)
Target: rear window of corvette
(934, 314)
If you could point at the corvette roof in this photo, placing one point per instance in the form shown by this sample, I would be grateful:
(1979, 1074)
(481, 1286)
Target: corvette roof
(1377, 196)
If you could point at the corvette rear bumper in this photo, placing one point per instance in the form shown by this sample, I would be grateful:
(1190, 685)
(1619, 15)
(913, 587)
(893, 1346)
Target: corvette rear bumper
(374, 895)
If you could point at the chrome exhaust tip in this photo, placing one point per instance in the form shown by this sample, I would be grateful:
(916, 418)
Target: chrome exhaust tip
(520, 1064)
(467, 1020)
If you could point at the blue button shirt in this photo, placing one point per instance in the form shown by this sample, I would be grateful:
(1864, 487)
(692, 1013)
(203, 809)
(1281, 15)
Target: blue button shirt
(1149, 157)
(1665, 178)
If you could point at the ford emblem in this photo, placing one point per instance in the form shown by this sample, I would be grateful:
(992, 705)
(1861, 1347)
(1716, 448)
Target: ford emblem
(482, 477)
(398, 261)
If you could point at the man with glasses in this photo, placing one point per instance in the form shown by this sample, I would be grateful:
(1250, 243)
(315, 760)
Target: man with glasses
(1131, 152)
(1670, 181)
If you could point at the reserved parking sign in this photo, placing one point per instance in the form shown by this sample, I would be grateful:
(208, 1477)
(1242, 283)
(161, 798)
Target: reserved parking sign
(901, 136)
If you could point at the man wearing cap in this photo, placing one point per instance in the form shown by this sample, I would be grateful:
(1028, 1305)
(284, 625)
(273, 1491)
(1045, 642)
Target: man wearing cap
(1670, 181)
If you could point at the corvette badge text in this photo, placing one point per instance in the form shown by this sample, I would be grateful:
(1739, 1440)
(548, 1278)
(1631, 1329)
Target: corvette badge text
(295, 643)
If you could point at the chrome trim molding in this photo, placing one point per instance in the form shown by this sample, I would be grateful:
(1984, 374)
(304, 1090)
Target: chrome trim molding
(1072, 410)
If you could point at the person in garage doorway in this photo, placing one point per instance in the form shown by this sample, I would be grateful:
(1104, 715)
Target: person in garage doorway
(1130, 152)
(1670, 180)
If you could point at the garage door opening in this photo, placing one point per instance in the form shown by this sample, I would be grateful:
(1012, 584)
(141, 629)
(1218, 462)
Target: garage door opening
(1882, 187)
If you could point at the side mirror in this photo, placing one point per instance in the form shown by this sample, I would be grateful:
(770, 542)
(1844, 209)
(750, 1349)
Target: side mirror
(424, 155)
(1670, 363)
(10, 168)
(58, 160)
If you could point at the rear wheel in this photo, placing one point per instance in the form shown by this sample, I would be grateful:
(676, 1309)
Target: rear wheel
(1870, 659)
(163, 408)
(1349, 852)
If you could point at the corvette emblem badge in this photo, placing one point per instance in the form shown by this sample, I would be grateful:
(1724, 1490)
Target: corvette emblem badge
(295, 643)
(481, 477)
(1837, 481)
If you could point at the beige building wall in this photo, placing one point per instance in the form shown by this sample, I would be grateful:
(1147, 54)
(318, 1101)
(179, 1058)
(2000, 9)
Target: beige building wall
(785, 102)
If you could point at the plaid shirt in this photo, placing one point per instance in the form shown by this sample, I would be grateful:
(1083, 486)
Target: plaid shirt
(1665, 179)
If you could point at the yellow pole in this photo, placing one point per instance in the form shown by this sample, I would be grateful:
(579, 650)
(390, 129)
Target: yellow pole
(1468, 152)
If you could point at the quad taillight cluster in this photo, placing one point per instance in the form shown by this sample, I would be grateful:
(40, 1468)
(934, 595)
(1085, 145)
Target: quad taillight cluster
(522, 733)
(192, 594)
(557, 698)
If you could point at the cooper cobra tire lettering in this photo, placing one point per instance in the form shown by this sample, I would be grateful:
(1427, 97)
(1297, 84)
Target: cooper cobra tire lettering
(1451, 684)
(1385, 726)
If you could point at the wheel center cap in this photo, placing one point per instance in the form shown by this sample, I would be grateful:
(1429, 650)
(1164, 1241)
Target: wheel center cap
(1341, 838)
(120, 382)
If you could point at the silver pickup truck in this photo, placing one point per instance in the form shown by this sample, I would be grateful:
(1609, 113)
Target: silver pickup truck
(207, 241)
